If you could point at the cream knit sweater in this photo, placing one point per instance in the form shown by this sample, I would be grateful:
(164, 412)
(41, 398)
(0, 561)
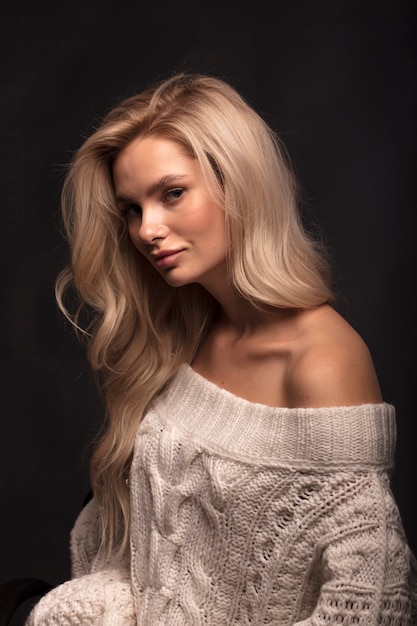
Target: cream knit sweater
(248, 515)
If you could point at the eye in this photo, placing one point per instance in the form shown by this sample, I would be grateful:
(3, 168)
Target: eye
(130, 210)
(173, 194)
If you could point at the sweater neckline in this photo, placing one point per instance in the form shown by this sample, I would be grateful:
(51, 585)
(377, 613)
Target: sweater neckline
(359, 435)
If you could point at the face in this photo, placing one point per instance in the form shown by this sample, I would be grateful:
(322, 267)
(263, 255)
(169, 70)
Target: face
(171, 217)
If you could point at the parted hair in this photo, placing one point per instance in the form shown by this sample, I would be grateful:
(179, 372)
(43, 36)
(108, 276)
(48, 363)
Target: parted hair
(138, 329)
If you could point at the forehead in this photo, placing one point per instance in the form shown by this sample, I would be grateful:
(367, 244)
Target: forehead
(153, 147)
(146, 161)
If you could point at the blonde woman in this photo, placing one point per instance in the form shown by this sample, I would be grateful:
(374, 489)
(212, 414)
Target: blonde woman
(242, 476)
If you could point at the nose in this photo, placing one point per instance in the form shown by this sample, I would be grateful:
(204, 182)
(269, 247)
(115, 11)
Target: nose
(152, 227)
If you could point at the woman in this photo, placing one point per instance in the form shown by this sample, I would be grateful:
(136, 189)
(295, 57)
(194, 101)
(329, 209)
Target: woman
(243, 473)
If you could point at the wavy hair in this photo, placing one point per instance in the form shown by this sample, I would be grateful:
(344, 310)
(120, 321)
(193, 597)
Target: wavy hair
(138, 329)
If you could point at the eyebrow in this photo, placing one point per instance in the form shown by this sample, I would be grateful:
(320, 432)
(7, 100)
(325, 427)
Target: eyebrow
(164, 181)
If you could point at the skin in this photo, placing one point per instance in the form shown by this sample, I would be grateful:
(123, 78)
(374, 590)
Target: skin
(168, 209)
(294, 358)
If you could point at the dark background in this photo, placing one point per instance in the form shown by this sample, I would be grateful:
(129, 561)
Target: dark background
(335, 78)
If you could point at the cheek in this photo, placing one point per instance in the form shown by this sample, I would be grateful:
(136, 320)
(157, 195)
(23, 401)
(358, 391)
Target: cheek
(211, 220)
(132, 230)
(217, 224)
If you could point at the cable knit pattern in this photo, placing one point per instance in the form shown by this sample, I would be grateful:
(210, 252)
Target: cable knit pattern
(245, 514)
(249, 515)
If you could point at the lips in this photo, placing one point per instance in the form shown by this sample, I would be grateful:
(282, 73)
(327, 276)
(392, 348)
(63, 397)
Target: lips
(167, 258)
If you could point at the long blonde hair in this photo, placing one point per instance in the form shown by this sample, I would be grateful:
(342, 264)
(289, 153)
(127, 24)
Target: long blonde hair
(140, 330)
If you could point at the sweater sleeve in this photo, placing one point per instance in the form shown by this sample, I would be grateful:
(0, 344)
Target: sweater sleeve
(85, 540)
(100, 599)
(99, 594)
(369, 574)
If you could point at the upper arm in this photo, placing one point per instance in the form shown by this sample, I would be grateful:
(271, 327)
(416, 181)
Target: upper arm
(334, 374)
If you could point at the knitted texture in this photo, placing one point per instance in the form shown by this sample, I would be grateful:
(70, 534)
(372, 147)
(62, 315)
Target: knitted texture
(249, 515)
(100, 599)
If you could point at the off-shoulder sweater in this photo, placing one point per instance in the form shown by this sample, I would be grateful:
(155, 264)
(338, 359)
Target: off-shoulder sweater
(247, 515)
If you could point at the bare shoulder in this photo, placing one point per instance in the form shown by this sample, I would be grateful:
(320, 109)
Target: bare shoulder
(332, 365)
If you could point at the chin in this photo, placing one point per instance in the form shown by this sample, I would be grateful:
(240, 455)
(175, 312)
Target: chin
(175, 281)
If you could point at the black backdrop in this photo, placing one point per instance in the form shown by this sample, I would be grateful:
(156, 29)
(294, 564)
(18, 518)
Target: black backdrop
(334, 77)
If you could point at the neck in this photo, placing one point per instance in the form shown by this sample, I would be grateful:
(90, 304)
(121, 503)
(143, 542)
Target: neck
(238, 314)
